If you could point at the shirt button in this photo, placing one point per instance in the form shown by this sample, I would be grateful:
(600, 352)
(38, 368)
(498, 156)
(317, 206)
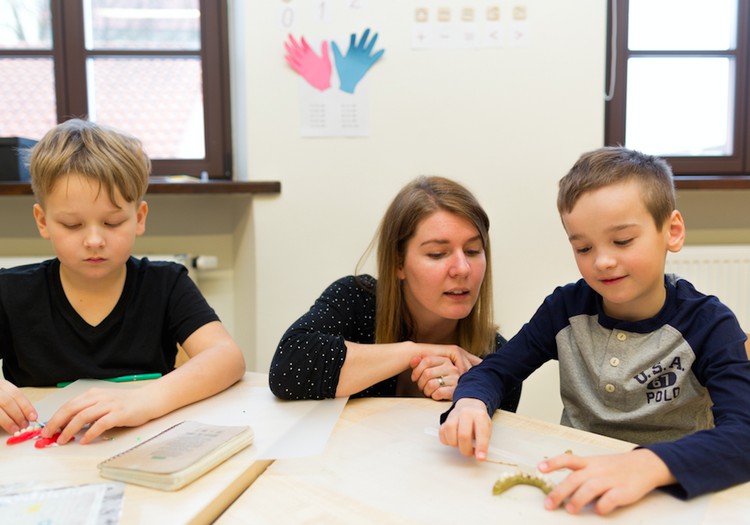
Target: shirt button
(621, 336)
(614, 361)
(609, 387)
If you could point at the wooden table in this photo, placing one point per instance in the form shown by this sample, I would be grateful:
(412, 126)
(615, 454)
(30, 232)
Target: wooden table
(384, 465)
(200, 502)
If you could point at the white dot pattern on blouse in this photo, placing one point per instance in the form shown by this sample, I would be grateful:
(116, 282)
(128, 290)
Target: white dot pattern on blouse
(310, 355)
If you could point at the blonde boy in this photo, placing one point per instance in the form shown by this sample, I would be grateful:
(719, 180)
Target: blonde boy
(643, 356)
(95, 311)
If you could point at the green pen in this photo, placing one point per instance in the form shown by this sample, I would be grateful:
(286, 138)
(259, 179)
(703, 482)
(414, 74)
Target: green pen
(122, 379)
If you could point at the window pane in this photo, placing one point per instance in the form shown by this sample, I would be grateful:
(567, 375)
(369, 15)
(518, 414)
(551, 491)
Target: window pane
(157, 99)
(680, 106)
(25, 24)
(142, 24)
(27, 104)
(682, 24)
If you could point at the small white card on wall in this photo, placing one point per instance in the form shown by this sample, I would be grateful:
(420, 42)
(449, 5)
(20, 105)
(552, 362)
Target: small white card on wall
(333, 113)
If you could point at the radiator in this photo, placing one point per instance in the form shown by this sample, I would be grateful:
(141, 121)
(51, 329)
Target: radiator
(184, 259)
(720, 270)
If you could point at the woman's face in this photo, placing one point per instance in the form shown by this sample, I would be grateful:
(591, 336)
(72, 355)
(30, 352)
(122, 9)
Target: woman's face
(443, 269)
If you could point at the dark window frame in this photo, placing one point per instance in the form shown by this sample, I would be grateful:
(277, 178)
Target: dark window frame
(69, 56)
(690, 172)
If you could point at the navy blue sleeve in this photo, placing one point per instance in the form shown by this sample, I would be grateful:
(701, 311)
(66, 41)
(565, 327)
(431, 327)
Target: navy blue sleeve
(714, 459)
(512, 395)
(495, 378)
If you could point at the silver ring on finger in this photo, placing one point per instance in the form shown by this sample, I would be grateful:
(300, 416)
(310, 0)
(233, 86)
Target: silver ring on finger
(441, 380)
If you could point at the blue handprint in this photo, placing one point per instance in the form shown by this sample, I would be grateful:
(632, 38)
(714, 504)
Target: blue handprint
(352, 67)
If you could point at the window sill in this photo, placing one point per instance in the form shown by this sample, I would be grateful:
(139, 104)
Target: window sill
(712, 182)
(165, 185)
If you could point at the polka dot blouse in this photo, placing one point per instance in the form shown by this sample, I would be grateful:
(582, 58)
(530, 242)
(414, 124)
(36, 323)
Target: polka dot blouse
(308, 360)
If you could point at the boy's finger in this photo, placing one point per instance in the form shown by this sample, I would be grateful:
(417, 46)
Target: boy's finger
(27, 408)
(465, 435)
(569, 461)
(58, 421)
(9, 424)
(482, 440)
(17, 411)
(94, 431)
(68, 432)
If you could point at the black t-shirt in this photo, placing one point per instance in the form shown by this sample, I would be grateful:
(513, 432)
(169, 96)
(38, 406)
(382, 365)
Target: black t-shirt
(44, 341)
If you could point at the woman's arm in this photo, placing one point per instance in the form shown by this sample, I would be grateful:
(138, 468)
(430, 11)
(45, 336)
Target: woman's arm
(329, 351)
(311, 353)
(368, 364)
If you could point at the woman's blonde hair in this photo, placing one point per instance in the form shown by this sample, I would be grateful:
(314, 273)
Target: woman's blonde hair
(415, 202)
(115, 160)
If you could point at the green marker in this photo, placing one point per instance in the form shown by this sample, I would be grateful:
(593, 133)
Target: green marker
(122, 379)
(134, 377)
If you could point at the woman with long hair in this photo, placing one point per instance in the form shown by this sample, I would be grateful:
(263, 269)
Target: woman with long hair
(413, 331)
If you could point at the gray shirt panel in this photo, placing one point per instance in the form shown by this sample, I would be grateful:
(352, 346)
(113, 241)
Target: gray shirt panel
(631, 386)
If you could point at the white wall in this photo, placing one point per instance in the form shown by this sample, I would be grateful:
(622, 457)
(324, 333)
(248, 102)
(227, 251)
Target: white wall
(507, 123)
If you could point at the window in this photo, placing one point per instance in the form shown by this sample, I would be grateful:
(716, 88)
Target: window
(678, 86)
(157, 69)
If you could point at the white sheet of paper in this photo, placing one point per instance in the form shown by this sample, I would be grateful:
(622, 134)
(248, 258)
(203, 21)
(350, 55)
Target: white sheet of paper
(313, 423)
(93, 504)
(425, 466)
(283, 429)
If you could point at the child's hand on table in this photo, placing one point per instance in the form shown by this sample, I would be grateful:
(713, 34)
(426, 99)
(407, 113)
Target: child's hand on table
(611, 481)
(468, 427)
(16, 412)
(102, 409)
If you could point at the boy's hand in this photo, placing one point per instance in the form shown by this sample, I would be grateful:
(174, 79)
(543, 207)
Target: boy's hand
(468, 427)
(16, 412)
(102, 409)
(613, 480)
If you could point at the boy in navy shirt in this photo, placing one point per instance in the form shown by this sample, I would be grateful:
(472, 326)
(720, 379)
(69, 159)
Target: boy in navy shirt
(643, 356)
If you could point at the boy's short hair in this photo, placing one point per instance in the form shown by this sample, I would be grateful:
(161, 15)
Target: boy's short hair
(114, 159)
(614, 164)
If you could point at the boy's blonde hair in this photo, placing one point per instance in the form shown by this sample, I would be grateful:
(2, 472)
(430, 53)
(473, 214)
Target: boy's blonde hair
(613, 165)
(415, 202)
(114, 159)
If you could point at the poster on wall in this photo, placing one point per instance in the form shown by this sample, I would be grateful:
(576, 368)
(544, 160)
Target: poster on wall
(333, 98)
(334, 71)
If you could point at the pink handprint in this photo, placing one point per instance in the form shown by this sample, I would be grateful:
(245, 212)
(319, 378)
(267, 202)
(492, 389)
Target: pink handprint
(313, 68)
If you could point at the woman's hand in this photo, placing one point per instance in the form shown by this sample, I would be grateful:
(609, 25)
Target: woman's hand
(16, 412)
(436, 377)
(436, 374)
(102, 409)
(368, 364)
